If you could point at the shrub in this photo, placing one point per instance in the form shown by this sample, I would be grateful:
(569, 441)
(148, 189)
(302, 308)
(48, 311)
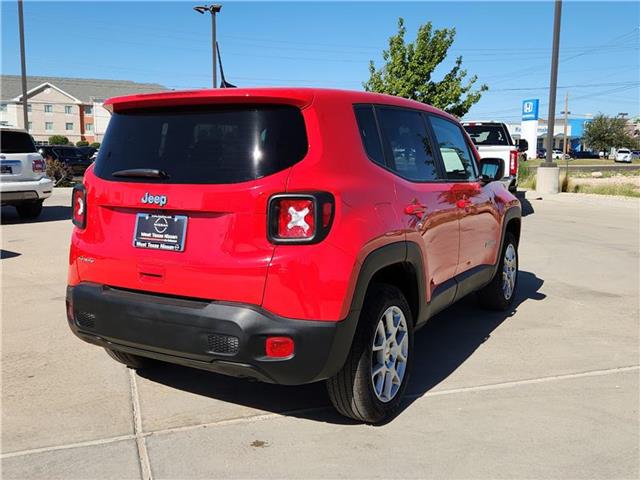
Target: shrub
(82, 143)
(58, 140)
(95, 145)
(60, 173)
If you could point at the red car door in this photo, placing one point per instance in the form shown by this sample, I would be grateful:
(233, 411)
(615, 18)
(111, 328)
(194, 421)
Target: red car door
(477, 212)
(425, 206)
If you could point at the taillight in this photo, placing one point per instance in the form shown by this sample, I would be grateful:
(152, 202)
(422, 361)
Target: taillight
(300, 218)
(79, 206)
(38, 165)
(513, 162)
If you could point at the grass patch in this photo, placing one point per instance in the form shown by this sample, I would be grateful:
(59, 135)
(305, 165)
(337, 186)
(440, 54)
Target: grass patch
(526, 176)
(620, 189)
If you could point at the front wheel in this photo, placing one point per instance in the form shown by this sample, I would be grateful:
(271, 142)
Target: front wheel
(370, 386)
(499, 293)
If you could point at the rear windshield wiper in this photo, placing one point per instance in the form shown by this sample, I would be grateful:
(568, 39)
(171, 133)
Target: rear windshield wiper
(141, 173)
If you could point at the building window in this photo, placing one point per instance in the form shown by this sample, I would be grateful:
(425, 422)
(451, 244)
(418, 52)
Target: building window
(68, 109)
(29, 107)
(48, 125)
(88, 127)
(3, 107)
(48, 108)
(88, 110)
(68, 126)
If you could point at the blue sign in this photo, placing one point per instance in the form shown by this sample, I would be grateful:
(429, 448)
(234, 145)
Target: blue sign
(530, 109)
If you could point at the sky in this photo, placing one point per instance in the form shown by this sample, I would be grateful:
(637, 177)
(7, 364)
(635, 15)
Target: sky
(329, 44)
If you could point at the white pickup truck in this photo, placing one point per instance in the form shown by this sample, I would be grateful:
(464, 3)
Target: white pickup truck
(492, 140)
(23, 179)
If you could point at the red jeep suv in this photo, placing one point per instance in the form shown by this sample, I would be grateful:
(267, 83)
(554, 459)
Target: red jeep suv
(286, 235)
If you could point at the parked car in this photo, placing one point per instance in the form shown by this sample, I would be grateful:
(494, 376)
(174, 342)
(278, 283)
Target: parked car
(541, 153)
(293, 236)
(625, 155)
(583, 154)
(73, 157)
(88, 152)
(492, 139)
(559, 155)
(23, 180)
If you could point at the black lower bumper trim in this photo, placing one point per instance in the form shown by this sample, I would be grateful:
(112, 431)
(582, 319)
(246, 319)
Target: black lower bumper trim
(180, 331)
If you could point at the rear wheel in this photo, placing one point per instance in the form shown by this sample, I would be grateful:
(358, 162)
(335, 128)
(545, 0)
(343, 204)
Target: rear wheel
(132, 361)
(370, 386)
(498, 295)
(30, 209)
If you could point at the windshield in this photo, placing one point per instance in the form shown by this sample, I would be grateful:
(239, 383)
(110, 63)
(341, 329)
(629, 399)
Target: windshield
(68, 152)
(16, 142)
(212, 145)
(488, 134)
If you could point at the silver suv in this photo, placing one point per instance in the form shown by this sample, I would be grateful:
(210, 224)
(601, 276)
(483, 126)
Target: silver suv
(23, 179)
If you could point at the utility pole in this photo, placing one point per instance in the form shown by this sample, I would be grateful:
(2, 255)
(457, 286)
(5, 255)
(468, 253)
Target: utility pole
(553, 84)
(566, 114)
(23, 65)
(212, 9)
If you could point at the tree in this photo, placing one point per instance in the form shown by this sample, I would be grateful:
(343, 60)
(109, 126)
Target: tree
(409, 68)
(58, 140)
(82, 143)
(604, 133)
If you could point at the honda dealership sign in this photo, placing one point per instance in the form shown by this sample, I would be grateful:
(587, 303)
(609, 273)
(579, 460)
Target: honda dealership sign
(529, 125)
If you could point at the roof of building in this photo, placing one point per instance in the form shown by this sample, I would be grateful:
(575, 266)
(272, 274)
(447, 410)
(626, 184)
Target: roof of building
(84, 89)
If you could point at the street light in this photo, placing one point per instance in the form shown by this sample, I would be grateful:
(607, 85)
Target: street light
(212, 9)
(23, 67)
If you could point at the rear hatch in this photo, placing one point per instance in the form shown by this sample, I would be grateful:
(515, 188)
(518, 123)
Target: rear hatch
(17, 156)
(177, 200)
(492, 140)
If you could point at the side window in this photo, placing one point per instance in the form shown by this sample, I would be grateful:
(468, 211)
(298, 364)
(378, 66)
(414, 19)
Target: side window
(406, 138)
(457, 159)
(369, 133)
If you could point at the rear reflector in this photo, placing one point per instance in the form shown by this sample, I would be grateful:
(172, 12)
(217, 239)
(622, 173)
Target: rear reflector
(79, 206)
(279, 347)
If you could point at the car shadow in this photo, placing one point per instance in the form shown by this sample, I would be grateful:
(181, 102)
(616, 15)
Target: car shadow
(52, 213)
(8, 254)
(442, 346)
(527, 208)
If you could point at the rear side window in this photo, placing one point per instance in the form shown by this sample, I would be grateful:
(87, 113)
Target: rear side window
(454, 150)
(211, 145)
(369, 133)
(406, 139)
(16, 142)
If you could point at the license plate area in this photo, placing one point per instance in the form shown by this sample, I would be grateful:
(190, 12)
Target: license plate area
(5, 169)
(160, 232)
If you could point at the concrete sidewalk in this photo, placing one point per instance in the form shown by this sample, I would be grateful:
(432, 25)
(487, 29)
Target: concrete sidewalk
(549, 389)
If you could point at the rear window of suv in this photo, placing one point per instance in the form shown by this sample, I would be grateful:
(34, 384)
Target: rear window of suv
(487, 134)
(205, 145)
(16, 142)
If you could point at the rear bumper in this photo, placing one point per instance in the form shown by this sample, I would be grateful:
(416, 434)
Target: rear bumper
(16, 192)
(221, 337)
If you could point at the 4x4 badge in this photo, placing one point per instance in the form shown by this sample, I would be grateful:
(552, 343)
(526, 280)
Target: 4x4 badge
(154, 199)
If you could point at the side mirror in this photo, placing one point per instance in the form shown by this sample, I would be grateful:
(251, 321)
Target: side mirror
(491, 169)
(523, 145)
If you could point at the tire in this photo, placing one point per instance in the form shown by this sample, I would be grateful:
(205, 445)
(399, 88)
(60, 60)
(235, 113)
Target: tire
(29, 210)
(498, 295)
(132, 361)
(352, 389)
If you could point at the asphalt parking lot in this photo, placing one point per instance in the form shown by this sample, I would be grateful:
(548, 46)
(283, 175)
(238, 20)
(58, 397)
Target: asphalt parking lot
(548, 390)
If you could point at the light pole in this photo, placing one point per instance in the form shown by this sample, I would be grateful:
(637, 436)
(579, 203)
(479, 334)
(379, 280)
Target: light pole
(548, 173)
(212, 9)
(566, 113)
(23, 66)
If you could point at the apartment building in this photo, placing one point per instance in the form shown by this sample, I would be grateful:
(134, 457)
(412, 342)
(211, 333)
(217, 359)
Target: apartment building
(64, 106)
